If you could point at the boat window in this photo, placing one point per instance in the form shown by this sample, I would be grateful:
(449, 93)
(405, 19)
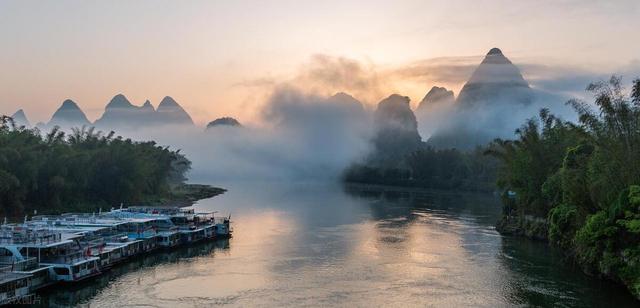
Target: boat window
(75, 269)
(5, 252)
(61, 270)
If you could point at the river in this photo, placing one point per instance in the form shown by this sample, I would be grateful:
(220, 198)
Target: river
(327, 245)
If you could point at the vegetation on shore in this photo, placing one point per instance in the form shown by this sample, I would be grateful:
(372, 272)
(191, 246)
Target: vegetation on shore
(84, 170)
(578, 184)
(431, 168)
(187, 194)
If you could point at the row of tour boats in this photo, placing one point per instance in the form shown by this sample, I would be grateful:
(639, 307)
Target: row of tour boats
(46, 250)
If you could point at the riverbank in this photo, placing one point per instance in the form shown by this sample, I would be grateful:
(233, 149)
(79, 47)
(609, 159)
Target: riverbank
(534, 228)
(417, 185)
(188, 194)
(619, 271)
(184, 195)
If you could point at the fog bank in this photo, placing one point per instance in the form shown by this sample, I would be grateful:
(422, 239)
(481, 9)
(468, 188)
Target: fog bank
(305, 137)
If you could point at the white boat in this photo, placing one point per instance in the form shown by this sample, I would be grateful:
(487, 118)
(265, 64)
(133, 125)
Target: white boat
(14, 288)
(60, 253)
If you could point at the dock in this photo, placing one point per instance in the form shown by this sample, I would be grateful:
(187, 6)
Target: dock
(51, 249)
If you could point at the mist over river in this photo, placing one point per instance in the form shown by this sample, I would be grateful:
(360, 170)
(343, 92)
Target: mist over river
(328, 245)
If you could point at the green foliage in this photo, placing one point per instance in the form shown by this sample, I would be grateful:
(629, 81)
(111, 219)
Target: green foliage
(594, 241)
(81, 170)
(432, 168)
(584, 178)
(562, 225)
(530, 164)
(629, 211)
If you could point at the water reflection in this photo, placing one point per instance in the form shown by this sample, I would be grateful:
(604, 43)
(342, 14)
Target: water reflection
(131, 274)
(308, 244)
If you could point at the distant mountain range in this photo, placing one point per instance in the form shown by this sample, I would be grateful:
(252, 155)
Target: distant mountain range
(488, 105)
(119, 113)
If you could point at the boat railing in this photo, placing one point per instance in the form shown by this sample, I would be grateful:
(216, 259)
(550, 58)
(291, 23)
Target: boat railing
(220, 220)
(102, 240)
(23, 265)
(76, 218)
(65, 258)
(6, 268)
(29, 236)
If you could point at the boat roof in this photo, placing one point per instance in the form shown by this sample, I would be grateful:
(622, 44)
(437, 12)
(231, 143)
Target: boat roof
(7, 277)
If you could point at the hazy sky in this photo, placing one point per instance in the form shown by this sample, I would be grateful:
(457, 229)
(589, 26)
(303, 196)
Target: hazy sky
(221, 58)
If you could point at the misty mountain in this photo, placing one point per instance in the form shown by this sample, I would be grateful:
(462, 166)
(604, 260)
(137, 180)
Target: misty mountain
(170, 112)
(68, 115)
(224, 121)
(492, 104)
(20, 118)
(147, 107)
(436, 96)
(495, 78)
(395, 130)
(347, 100)
(121, 113)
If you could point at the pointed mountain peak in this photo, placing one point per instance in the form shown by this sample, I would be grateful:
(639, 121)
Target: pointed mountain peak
(496, 68)
(168, 101)
(20, 118)
(147, 106)
(119, 101)
(436, 95)
(172, 113)
(69, 105)
(495, 56)
(19, 113)
(69, 113)
(494, 51)
(495, 79)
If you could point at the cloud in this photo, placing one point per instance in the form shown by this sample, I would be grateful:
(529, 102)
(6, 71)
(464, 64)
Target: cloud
(306, 137)
(326, 75)
(445, 70)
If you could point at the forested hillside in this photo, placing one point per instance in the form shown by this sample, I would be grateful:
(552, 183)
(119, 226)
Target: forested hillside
(83, 170)
(579, 184)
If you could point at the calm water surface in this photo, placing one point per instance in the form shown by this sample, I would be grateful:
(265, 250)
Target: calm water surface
(325, 245)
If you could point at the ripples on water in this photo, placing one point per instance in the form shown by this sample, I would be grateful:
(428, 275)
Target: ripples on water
(319, 245)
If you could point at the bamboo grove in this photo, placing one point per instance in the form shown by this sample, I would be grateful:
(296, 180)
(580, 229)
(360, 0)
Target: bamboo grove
(82, 170)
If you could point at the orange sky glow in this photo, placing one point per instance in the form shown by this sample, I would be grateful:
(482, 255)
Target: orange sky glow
(223, 58)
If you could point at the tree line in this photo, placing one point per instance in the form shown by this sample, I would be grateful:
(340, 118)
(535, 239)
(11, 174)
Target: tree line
(582, 180)
(81, 170)
(431, 168)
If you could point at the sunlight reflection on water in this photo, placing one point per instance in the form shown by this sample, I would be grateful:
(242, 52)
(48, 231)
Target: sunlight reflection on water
(317, 245)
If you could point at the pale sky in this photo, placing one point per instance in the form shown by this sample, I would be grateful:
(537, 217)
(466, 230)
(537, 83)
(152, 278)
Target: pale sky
(216, 57)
